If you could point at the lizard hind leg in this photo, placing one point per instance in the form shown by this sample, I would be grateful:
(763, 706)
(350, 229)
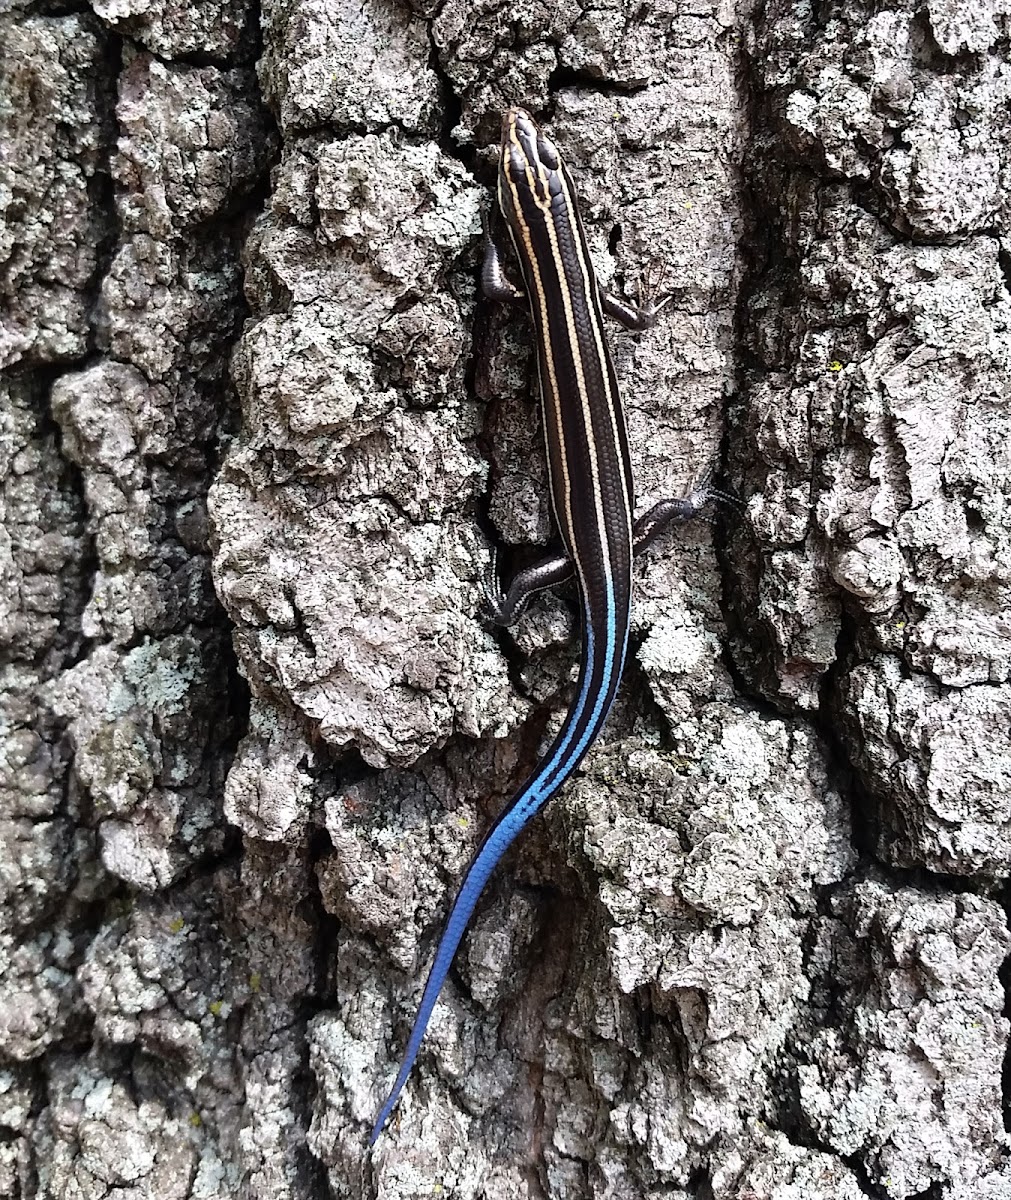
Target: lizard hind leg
(507, 606)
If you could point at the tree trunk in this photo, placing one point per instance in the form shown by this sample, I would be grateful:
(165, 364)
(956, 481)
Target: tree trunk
(752, 951)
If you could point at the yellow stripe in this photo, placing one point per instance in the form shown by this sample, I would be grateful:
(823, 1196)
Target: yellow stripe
(588, 282)
(564, 520)
(590, 286)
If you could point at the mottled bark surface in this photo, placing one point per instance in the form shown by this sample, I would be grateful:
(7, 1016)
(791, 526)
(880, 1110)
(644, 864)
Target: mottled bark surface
(255, 424)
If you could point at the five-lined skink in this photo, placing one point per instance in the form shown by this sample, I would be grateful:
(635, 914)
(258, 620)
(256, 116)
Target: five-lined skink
(591, 491)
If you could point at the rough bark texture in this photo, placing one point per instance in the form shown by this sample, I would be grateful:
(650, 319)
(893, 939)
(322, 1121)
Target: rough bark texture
(753, 950)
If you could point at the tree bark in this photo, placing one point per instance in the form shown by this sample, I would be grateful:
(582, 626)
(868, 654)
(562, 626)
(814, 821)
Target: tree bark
(256, 424)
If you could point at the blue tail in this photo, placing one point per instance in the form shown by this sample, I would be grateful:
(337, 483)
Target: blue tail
(473, 884)
(574, 739)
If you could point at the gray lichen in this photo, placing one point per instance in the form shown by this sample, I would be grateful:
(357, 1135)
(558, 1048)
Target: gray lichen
(753, 950)
(355, 587)
(880, 413)
(54, 112)
(121, 288)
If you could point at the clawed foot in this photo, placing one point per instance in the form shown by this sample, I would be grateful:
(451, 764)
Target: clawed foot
(702, 493)
(651, 295)
(503, 608)
(685, 508)
(492, 588)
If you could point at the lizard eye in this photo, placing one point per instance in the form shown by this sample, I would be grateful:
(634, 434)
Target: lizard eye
(517, 165)
(547, 153)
